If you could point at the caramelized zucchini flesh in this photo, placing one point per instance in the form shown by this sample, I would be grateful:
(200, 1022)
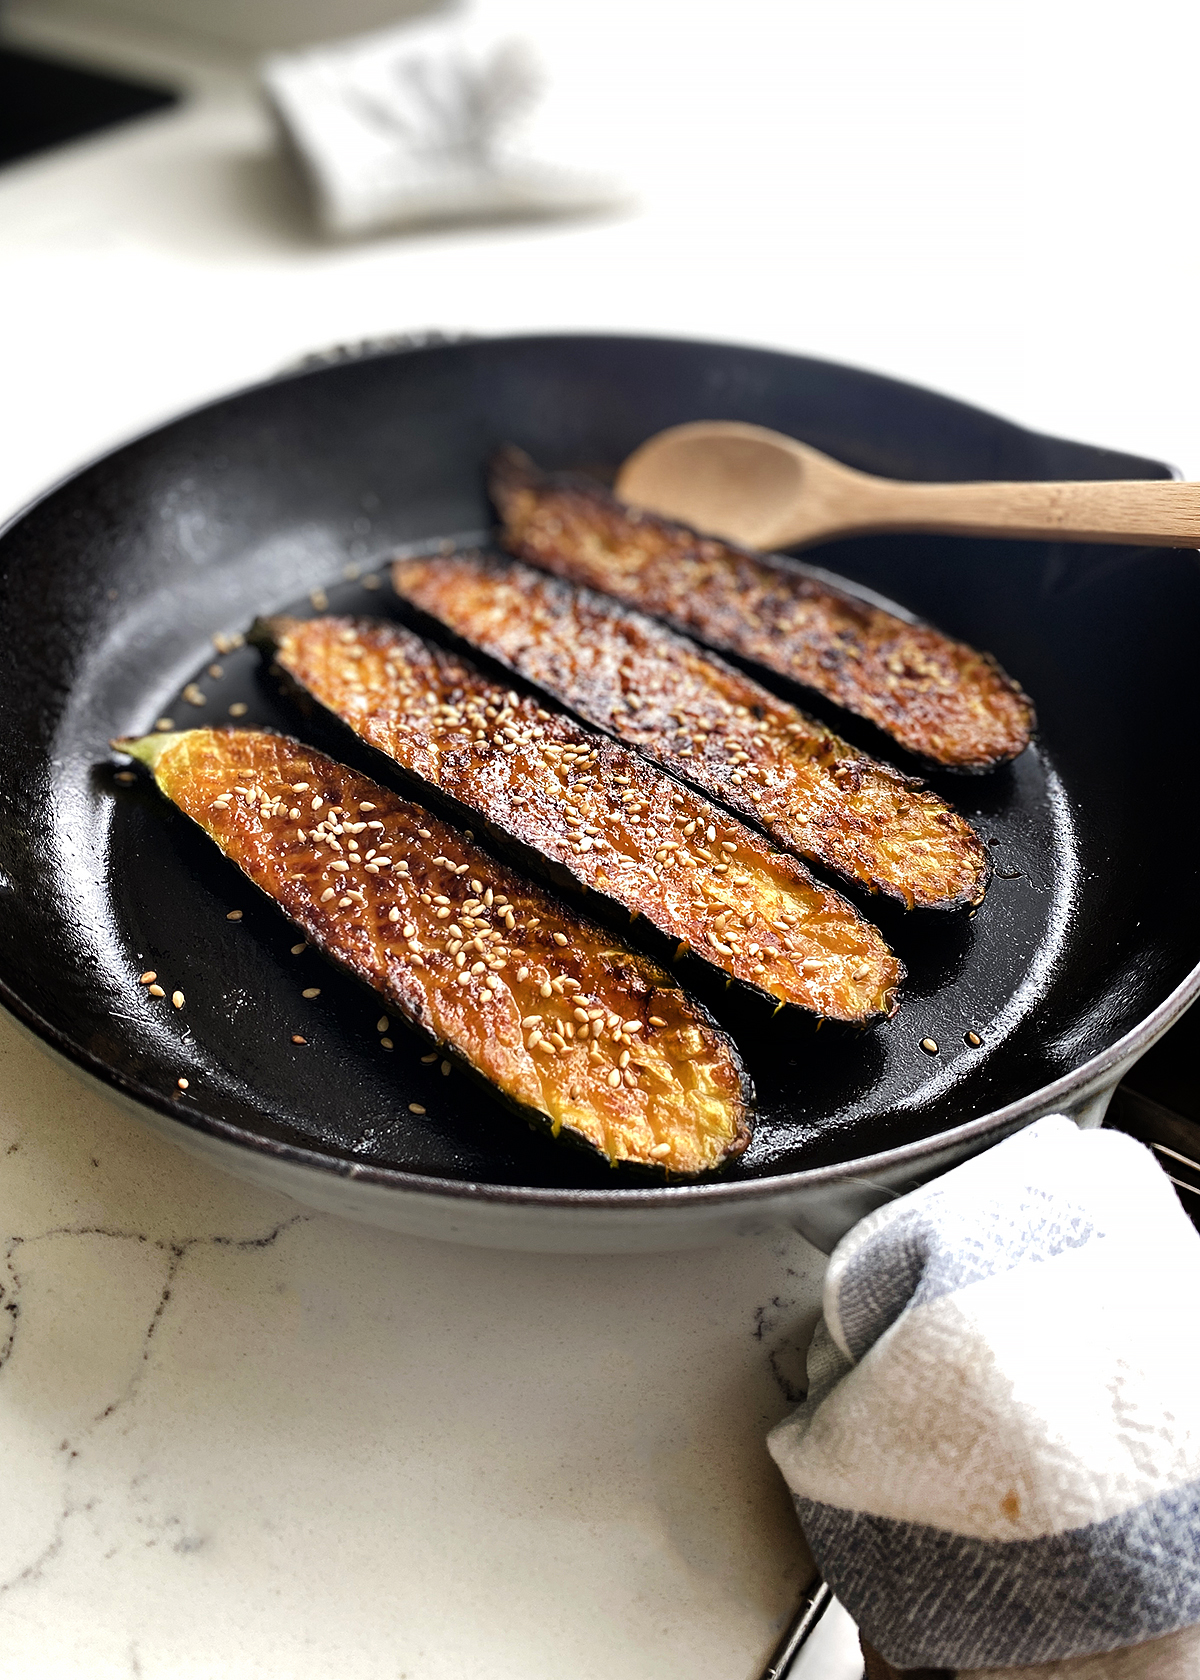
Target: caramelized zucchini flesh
(938, 698)
(577, 1033)
(613, 822)
(702, 720)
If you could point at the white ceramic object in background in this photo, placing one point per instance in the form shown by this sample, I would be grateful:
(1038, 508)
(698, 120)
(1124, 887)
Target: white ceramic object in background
(426, 122)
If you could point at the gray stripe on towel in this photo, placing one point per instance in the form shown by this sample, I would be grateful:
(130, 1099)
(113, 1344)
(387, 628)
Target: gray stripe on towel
(930, 1599)
(935, 1248)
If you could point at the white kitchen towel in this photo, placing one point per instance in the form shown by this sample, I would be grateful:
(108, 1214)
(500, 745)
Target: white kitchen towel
(420, 123)
(998, 1461)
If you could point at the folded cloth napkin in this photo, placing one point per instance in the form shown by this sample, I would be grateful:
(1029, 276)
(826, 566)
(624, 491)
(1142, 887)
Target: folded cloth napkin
(418, 123)
(998, 1461)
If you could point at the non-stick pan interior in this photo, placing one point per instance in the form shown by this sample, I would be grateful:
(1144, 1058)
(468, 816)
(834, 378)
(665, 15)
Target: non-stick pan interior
(116, 584)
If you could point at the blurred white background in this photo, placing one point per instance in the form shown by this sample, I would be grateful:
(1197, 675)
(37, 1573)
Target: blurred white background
(991, 199)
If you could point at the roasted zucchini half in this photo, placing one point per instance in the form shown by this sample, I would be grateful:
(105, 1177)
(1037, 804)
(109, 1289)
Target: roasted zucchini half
(608, 821)
(938, 698)
(705, 721)
(581, 1036)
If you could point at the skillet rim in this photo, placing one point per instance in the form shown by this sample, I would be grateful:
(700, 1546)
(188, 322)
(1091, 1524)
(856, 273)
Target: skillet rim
(1091, 1077)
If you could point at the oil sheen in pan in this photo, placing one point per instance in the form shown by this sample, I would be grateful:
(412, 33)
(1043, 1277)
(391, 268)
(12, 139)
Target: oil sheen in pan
(823, 1091)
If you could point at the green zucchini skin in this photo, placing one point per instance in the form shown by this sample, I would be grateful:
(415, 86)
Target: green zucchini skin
(594, 817)
(405, 915)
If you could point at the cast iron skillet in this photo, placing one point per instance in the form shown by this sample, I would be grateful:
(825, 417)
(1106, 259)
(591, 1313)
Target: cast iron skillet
(114, 584)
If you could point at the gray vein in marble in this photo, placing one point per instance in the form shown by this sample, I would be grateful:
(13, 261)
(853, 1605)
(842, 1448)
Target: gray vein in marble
(786, 1351)
(176, 1252)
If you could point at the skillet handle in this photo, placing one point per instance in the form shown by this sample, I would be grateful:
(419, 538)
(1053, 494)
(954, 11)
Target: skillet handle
(1155, 513)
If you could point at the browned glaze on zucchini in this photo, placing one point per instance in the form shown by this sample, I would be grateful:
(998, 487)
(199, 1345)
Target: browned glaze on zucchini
(576, 1032)
(938, 698)
(709, 723)
(616, 825)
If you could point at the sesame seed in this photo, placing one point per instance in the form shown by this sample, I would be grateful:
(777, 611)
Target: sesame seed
(425, 834)
(973, 1039)
(233, 915)
(657, 1021)
(632, 1027)
(345, 903)
(183, 1084)
(522, 974)
(861, 972)
(327, 895)
(145, 979)
(546, 989)
(164, 723)
(126, 776)
(660, 1150)
(311, 992)
(386, 1044)
(614, 1078)
(929, 1045)
(296, 1039)
(559, 938)
(366, 805)
(445, 1070)
(193, 695)
(238, 709)
(296, 949)
(156, 991)
(177, 999)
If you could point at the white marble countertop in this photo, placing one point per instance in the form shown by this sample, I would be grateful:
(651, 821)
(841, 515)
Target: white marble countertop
(240, 1439)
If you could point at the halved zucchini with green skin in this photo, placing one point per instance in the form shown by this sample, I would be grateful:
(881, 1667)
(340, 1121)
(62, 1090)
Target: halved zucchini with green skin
(580, 1035)
(599, 813)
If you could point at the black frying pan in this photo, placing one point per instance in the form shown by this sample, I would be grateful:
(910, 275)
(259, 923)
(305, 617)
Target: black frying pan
(114, 584)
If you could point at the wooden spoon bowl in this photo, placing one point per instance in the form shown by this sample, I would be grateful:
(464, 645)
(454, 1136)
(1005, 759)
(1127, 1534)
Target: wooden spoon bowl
(757, 487)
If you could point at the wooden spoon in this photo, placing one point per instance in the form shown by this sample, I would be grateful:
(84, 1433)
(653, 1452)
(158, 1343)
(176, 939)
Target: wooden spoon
(760, 488)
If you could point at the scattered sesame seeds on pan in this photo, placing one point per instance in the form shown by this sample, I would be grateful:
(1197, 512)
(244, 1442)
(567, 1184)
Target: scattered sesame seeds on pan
(615, 824)
(679, 1104)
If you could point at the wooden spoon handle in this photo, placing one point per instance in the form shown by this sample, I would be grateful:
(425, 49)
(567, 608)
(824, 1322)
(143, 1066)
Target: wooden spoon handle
(1153, 512)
